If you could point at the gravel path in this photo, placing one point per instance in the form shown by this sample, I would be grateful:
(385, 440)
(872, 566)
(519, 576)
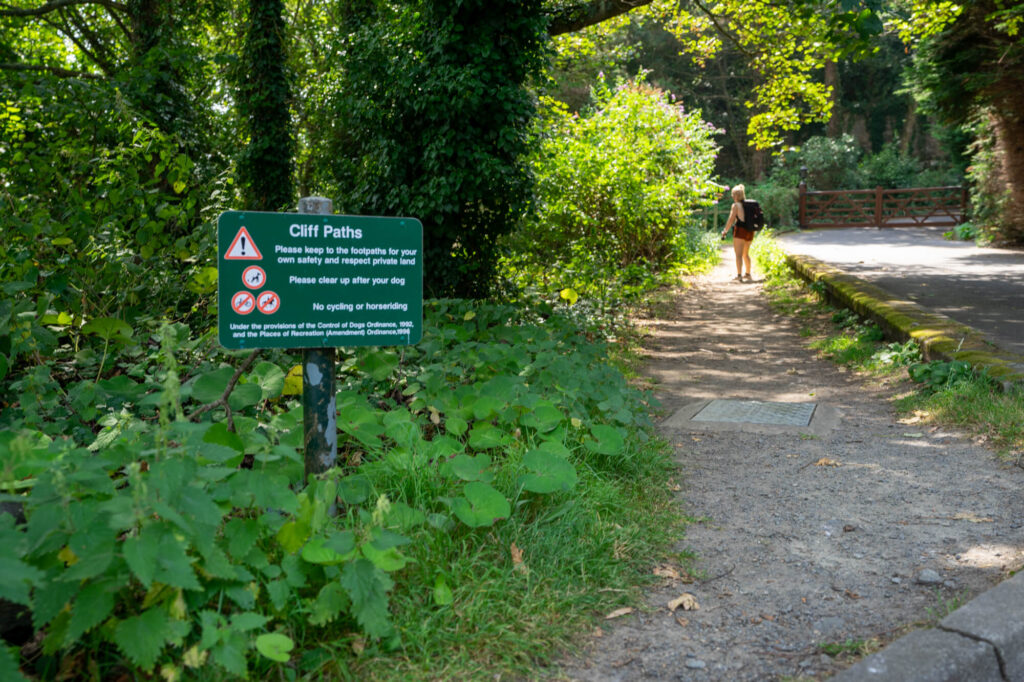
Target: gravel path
(847, 529)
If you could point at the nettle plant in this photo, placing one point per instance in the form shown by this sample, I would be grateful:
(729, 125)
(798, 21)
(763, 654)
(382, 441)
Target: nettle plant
(189, 543)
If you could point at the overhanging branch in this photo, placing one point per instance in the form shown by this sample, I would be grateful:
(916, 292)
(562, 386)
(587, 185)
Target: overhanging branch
(7, 10)
(54, 70)
(581, 15)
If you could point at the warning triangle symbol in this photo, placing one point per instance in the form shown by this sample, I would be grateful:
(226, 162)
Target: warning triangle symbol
(243, 247)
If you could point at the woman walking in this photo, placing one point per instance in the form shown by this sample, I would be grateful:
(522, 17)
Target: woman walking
(742, 235)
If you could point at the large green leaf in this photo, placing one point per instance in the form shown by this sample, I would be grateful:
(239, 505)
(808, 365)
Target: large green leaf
(484, 436)
(16, 578)
(606, 440)
(329, 603)
(9, 665)
(218, 434)
(368, 586)
(362, 423)
(354, 489)
(472, 468)
(548, 472)
(142, 638)
(108, 329)
(379, 364)
(275, 646)
(543, 417)
(245, 395)
(210, 386)
(481, 505)
(92, 606)
(336, 549)
(270, 379)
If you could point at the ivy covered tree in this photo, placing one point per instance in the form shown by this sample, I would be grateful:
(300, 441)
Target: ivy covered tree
(265, 168)
(970, 71)
(429, 118)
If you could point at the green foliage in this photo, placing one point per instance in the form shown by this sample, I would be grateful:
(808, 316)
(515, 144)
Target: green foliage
(780, 202)
(831, 163)
(974, 403)
(615, 190)
(265, 167)
(968, 73)
(889, 168)
(150, 545)
(940, 375)
(429, 118)
(897, 354)
(771, 259)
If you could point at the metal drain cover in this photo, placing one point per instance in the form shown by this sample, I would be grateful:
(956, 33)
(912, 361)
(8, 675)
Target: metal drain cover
(756, 412)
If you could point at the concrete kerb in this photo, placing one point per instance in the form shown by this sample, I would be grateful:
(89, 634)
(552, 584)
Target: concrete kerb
(940, 337)
(982, 641)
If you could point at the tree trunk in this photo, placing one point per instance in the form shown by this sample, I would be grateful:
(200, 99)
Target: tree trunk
(835, 121)
(1009, 126)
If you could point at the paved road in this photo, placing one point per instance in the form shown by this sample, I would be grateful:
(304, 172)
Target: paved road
(979, 287)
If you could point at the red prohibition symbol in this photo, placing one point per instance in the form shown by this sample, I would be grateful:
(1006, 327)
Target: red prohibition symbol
(268, 302)
(243, 303)
(254, 277)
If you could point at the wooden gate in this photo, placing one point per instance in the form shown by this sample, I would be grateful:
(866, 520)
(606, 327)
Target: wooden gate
(939, 206)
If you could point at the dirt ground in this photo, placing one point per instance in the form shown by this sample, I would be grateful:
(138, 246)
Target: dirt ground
(849, 529)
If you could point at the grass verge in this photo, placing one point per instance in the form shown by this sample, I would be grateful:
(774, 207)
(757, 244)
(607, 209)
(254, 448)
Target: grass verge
(940, 393)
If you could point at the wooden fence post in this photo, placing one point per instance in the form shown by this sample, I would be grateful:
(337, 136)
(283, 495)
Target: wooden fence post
(802, 220)
(878, 206)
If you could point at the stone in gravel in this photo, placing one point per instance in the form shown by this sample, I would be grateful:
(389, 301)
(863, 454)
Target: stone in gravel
(695, 664)
(928, 577)
(830, 624)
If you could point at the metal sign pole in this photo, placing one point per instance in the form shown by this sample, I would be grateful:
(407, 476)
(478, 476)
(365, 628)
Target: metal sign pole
(319, 409)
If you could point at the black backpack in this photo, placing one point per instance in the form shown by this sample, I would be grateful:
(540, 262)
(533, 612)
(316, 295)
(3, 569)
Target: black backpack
(754, 215)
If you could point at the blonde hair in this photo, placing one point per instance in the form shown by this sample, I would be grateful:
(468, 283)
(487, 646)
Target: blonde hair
(739, 193)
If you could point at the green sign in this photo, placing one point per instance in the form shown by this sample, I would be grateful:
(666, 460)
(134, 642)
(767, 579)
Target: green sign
(298, 280)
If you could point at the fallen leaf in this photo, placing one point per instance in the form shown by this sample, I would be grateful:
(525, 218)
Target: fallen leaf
(914, 435)
(517, 559)
(972, 517)
(598, 632)
(675, 488)
(682, 621)
(358, 645)
(852, 595)
(435, 416)
(848, 528)
(666, 571)
(625, 611)
(826, 462)
(685, 600)
(767, 617)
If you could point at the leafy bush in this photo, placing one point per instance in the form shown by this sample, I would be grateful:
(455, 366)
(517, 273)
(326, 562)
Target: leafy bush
(831, 163)
(102, 220)
(430, 117)
(615, 185)
(897, 354)
(889, 168)
(780, 203)
(162, 536)
(942, 375)
(771, 259)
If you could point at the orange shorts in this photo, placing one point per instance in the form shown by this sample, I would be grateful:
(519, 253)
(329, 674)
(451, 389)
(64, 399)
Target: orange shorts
(742, 233)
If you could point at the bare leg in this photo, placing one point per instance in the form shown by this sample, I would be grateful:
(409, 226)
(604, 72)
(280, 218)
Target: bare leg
(746, 256)
(738, 246)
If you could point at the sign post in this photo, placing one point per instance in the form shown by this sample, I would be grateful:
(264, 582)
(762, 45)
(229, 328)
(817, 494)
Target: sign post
(319, 407)
(315, 280)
